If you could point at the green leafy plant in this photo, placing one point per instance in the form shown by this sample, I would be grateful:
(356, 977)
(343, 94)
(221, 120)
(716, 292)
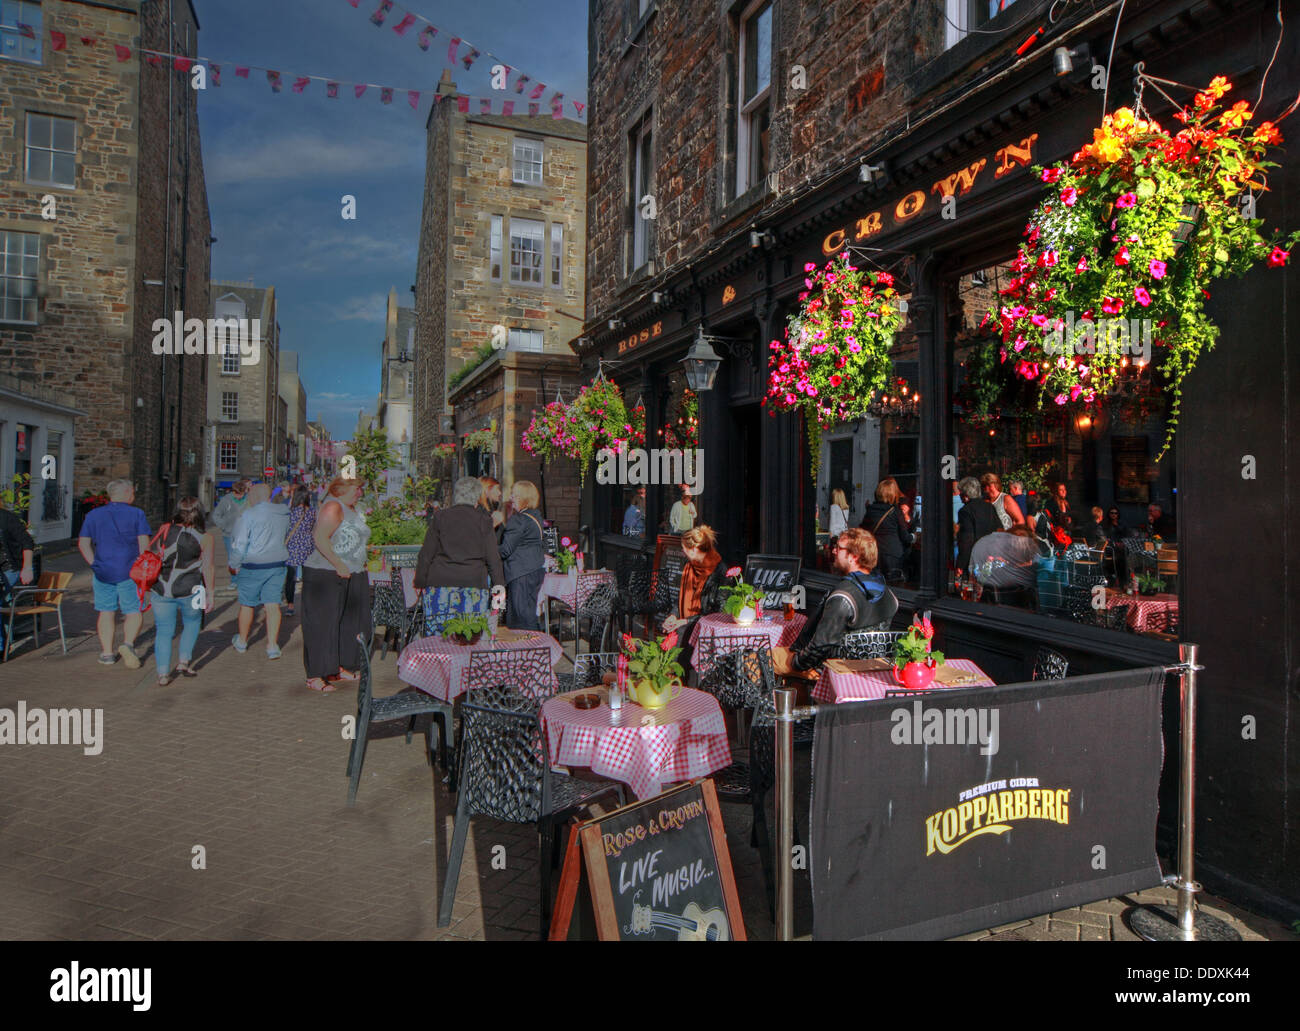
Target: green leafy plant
(481, 440)
(914, 646)
(465, 626)
(566, 556)
(374, 455)
(396, 521)
(654, 660)
(479, 356)
(598, 419)
(1149, 583)
(17, 497)
(549, 434)
(1032, 477)
(1138, 223)
(740, 595)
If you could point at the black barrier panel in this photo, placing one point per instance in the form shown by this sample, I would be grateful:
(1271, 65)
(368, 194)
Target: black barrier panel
(1048, 802)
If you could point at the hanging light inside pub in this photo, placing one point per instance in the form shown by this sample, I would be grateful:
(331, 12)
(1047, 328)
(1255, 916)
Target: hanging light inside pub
(701, 363)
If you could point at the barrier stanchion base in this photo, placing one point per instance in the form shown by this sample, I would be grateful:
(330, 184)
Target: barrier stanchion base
(1160, 924)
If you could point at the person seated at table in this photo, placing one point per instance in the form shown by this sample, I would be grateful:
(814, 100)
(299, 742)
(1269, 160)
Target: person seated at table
(1004, 563)
(860, 601)
(1009, 513)
(1056, 512)
(977, 519)
(892, 529)
(459, 560)
(703, 576)
(523, 552)
(1093, 532)
(1159, 524)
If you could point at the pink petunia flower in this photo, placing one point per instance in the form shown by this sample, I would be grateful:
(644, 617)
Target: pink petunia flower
(1141, 296)
(1157, 269)
(1068, 196)
(1126, 200)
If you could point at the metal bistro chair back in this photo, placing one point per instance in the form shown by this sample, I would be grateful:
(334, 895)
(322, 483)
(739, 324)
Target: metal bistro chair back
(406, 705)
(597, 607)
(869, 644)
(44, 597)
(1050, 665)
(725, 677)
(589, 670)
(528, 670)
(504, 775)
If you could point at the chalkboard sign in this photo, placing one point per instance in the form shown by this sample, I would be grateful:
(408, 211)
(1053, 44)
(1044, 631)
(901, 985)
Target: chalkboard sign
(669, 562)
(657, 870)
(775, 574)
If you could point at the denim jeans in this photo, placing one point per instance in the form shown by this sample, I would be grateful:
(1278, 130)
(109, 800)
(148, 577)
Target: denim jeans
(164, 621)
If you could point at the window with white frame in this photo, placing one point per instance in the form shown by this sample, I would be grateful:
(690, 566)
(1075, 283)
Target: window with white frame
(20, 263)
(51, 151)
(494, 250)
(966, 16)
(753, 155)
(228, 456)
(230, 360)
(528, 161)
(21, 30)
(526, 340)
(641, 185)
(526, 245)
(557, 254)
(230, 406)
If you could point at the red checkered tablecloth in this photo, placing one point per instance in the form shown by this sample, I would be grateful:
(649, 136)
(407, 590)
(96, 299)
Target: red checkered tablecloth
(567, 587)
(1143, 608)
(438, 667)
(643, 748)
(716, 625)
(869, 687)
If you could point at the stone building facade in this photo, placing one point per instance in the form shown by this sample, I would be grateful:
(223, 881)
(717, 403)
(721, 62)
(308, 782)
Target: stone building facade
(297, 452)
(501, 244)
(245, 430)
(397, 378)
(102, 184)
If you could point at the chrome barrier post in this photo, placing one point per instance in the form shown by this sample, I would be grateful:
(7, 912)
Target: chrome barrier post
(784, 699)
(1183, 923)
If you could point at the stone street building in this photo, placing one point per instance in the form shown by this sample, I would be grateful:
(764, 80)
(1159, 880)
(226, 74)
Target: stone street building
(394, 409)
(500, 259)
(297, 446)
(104, 229)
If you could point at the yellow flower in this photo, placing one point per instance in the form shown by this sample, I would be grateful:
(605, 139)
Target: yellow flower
(1122, 119)
(1109, 149)
(1218, 87)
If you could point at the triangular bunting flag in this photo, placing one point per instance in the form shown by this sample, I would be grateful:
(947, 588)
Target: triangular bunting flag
(332, 90)
(123, 53)
(25, 30)
(533, 109)
(451, 49)
(485, 107)
(577, 106)
(154, 60)
(437, 99)
(507, 107)
(402, 26)
(300, 84)
(462, 105)
(274, 79)
(381, 12)
(358, 90)
(557, 99)
(538, 90)
(386, 95)
(470, 58)
(57, 40)
(215, 71)
(413, 95)
(241, 72)
(557, 111)
(426, 36)
(519, 86)
(88, 41)
(355, 3)
(182, 64)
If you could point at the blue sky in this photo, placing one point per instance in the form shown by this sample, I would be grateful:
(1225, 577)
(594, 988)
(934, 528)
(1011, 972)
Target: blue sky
(278, 164)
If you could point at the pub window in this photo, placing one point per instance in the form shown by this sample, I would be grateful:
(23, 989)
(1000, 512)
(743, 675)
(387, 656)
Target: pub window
(494, 250)
(557, 254)
(641, 187)
(20, 31)
(228, 456)
(229, 406)
(19, 275)
(966, 16)
(526, 246)
(528, 161)
(753, 160)
(51, 151)
(1088, 472)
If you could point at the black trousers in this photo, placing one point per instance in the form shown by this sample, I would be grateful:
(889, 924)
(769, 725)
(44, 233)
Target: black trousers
(334, 612)
(521, 601)
(291, 578)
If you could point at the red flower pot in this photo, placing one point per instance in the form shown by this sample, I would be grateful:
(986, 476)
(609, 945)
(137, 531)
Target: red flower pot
(915, 676)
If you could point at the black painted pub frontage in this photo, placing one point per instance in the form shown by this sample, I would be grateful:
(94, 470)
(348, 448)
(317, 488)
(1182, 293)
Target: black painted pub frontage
(1236, 573)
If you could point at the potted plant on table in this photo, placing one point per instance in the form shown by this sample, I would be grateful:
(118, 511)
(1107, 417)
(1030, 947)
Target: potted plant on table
(1149, 583)
(654, 674)
(566, 556)
(914, 662)
(465, 630)
(744, 601)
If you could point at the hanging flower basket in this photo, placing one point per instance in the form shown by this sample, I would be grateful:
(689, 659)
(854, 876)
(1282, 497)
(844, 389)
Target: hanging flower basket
(835, 355)
(1117, 258)
(484, 440)
(549, 435)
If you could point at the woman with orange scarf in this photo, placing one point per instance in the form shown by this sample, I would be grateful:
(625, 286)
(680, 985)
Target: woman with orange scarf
(701, 587)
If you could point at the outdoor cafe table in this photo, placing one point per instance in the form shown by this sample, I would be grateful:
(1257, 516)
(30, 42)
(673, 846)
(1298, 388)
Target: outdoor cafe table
(570, 588)
(780, 631)
(438, 667)
(869, 686)
(643, 748)
(1144, 609)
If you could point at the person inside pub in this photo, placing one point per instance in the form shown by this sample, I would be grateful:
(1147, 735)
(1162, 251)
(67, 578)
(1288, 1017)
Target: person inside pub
(701, 589)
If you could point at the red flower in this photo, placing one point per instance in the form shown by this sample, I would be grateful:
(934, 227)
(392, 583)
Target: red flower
(733, 571)
(627, 641)
(669, 642)
(1051, 175)
(1278, 257)
(836, 380)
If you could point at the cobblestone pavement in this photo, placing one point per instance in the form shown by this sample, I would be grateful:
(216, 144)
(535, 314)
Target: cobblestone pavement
(246, 766)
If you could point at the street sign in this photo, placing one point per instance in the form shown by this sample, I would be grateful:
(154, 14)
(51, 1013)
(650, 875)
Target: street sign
(269, 471)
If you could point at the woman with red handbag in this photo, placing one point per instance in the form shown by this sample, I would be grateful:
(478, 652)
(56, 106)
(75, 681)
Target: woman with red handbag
(1057, 523)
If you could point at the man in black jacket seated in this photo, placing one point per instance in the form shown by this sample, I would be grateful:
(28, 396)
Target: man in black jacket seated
(859, 602)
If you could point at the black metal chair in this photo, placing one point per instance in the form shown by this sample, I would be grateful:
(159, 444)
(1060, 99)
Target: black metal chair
(1050, 665)
(722, 678)
(407, 705)
(597, 608)
(870, 644)
(527, 669)
(504, 775)
(589, 670)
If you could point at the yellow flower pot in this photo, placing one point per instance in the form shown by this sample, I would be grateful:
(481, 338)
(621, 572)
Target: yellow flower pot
(648, 697)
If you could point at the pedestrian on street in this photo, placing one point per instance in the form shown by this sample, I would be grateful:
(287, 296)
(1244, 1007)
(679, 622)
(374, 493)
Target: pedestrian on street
(459, 560)
(299, 543)
(17, 548)
(335, 591)
(524, 556)
(184, 588)
(227, 513)
(112, 537)
(259, 557)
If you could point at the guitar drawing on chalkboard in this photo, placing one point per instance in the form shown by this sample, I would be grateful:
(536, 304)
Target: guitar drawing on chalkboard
(695, 924)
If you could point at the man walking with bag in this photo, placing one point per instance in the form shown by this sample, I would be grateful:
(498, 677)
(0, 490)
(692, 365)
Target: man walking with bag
(259, 555)
(112, 537)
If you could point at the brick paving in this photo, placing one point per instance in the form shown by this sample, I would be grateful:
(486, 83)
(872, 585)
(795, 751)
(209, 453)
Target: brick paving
(248, 766)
